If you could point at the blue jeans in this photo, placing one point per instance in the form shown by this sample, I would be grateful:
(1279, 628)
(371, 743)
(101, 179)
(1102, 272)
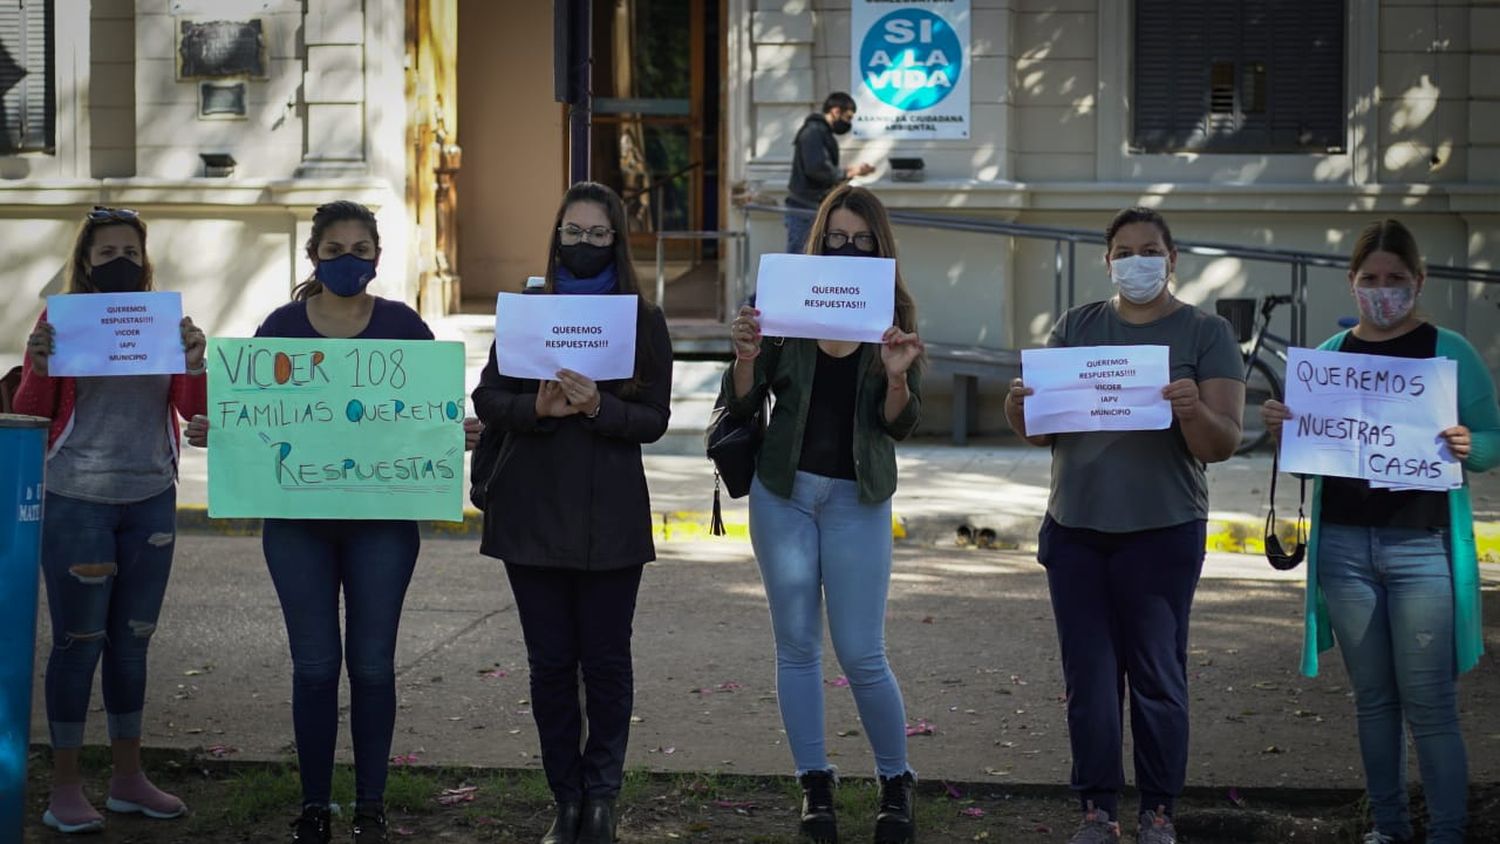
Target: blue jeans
(372, 563)
(106, 568)
(798, 227)
(823, 543)
(1390, 601)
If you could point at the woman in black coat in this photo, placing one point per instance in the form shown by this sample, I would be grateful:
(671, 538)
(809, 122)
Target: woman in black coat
(568, 512)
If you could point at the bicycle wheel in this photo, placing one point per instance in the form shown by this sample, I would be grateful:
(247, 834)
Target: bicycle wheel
(1261, 385)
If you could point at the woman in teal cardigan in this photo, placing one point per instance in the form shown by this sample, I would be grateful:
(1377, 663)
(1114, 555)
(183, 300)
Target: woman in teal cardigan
(1393, 575)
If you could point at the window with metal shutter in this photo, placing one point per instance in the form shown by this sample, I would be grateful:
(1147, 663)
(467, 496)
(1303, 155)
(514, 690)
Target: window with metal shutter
(1240, 76)
(27, 96)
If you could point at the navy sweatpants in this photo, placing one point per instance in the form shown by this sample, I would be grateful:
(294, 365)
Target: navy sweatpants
(1122, 602)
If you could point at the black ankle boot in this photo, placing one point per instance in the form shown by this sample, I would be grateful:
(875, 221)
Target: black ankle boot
(370, 825)
(818, 820)
(598, 823)
(313, 826)
(896, 822)
(564, 829)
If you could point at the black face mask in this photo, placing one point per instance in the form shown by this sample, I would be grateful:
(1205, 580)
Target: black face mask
(848, 250)
(585, 260)
(121, 275)
(842, 127)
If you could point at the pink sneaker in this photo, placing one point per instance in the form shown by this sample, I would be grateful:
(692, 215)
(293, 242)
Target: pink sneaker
(134, 793)
(70, 812)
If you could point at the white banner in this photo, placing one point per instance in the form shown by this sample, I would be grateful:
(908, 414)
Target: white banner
(1096, 388)
(826, 297)
(116, 334)
(1372, 417)
(538, 334)
(910, 64)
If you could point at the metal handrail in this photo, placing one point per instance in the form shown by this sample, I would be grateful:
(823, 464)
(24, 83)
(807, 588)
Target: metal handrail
(1067, 240)
(742, 256)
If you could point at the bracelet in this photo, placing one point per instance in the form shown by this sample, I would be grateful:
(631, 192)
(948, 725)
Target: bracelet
(598, 407)
(202, 368)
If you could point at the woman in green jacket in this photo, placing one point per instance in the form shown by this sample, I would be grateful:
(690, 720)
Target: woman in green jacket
(1393, 574)
(820, 513)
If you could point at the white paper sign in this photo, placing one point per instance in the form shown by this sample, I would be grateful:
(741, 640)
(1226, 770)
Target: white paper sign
(826, 297)
(538, 334)
(1372, 417)
(1096, 388)
(116, 334)
(911, 64)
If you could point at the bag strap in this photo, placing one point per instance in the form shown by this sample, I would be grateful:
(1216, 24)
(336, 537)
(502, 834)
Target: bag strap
(1301, 499)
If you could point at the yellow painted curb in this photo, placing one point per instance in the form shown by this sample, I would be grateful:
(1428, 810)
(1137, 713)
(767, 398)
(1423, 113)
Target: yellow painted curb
(666, 527)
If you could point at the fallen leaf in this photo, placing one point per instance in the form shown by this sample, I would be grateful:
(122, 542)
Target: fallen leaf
(404, 759)
(455, 796)
(972, 812)
(952, 791)
(496, 674)
(847, 733)
(839, 683)
(737, 805)
(1273, 749)
(921, 728)
(1015, 680)
(926, 619)
(728, 686)
(219, 751)
(1235, 798)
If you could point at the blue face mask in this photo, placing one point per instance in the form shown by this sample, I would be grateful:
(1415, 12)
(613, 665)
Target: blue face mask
(346, 275)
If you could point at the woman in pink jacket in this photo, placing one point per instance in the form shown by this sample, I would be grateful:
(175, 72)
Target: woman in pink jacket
(108, 527)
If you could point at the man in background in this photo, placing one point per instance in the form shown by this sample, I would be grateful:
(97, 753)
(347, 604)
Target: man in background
(815, 165)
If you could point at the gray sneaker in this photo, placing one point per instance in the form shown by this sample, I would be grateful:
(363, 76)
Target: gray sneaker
(1375, 836)
(1156, 828)
(1096, 828)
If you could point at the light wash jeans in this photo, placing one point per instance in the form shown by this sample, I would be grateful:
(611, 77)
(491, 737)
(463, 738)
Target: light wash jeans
(822, 542)
(1390, 601)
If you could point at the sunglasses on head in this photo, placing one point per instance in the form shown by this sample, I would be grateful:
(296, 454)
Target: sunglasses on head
(1278, 556)
(100, 213)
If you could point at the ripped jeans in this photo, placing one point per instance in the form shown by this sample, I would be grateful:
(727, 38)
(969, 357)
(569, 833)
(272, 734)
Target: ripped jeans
(106, 569)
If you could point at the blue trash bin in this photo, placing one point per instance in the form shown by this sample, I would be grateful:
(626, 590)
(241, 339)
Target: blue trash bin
(23, 446)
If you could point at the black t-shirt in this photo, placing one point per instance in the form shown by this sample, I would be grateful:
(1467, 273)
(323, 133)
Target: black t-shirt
(828, 438)
(1351, 501)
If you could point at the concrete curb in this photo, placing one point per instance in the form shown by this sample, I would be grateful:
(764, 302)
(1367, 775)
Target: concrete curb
(1232, 535)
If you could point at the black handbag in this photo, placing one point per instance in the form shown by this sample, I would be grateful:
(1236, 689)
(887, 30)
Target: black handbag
(1280, 558)
(483, 462)
(732, 444)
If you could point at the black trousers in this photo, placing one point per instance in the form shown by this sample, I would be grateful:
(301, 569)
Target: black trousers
(1122, 602)
(573, 620)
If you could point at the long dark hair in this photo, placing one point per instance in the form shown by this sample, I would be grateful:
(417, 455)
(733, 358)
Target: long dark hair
(78, 273)
(627, 280)
(863, 202)
(326, 215)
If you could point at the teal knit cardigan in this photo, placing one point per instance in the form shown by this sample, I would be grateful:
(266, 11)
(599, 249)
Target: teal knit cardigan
(1476, 410)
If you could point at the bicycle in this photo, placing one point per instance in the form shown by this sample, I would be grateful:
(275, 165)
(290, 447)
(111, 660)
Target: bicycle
(1262, 382)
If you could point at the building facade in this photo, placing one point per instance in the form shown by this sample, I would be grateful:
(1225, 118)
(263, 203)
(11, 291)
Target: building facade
(1076, 109)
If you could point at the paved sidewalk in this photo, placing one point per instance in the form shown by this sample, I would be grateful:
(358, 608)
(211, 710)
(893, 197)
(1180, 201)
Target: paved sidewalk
(970, 634)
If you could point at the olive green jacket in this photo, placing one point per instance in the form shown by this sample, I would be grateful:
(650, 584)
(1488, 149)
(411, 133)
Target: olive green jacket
(786, 369)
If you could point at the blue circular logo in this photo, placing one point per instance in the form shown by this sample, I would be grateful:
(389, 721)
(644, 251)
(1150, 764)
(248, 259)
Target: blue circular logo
(911, 59)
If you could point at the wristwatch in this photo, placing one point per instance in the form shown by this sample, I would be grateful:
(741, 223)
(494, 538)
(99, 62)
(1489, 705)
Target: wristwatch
(598, 407)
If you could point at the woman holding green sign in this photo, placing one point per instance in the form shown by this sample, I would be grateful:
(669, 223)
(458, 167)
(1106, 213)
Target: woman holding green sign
(568, 512)
(312, 560)
(109, 527)
(1392, 575)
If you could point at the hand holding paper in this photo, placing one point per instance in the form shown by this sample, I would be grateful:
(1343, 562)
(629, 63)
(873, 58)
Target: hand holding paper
(100, 334)
(538, 335)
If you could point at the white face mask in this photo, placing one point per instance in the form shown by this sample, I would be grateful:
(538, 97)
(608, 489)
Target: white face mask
(1386, 307)
(1140, 278)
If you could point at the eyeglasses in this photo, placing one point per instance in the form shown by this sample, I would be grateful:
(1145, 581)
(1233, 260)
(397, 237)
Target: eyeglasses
(100, 213)
(1276, 553)
(863, 241)
(597, 236)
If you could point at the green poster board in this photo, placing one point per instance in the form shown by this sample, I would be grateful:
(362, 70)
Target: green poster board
(335, 429)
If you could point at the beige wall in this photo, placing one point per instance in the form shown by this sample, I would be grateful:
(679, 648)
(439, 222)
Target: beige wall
(1051, 118)
(512, 135)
